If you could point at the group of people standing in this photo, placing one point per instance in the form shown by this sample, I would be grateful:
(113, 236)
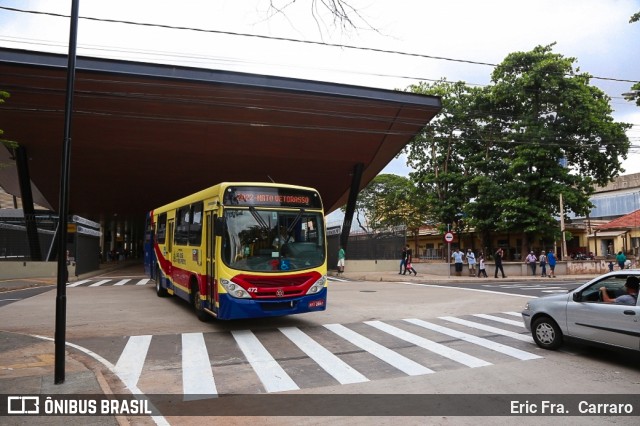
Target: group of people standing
(544, 260)
(473, 262)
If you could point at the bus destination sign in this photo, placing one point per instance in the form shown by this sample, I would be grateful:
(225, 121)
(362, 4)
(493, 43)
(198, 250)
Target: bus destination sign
(271, 197)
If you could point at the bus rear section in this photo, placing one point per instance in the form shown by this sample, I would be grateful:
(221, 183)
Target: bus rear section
(260, 252)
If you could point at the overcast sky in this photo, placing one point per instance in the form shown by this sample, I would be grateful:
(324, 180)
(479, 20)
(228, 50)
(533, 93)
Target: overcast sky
(595, 32)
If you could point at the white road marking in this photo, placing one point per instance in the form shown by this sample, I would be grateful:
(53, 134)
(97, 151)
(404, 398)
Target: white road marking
(523, 337)
(197, 375)
(489, 344)
(131, 361)
(272, 376)
(445, 351)
(337, 368)
(393, 358)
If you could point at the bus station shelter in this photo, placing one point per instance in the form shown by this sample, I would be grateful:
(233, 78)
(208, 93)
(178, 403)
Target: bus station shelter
(144, 134)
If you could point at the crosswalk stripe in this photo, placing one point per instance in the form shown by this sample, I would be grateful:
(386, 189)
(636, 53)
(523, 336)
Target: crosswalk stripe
(99, 283)
(131, 361)
(272, 376)
(437, 348)
(393, 358)
(501, 320)
(123, 282)
(513, 314)
(489, 344)
(337, 368)
(525, 338)
(197, 376)
(143, 281)
(77, 283)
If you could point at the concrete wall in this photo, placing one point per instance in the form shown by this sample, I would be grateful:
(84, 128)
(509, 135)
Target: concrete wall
(18, 270)
(514, 269)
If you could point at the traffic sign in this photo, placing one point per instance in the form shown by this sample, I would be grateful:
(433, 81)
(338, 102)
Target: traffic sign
(448, 237)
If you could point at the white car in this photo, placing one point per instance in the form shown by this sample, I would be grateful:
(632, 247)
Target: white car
(580, 314)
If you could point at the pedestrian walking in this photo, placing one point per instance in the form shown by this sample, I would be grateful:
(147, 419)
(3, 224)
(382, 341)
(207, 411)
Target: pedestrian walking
(551, 260)
(543, 263)
(341, 260)
(403, 260)
(532, 260)
(471, 260)
(409, 262)
(481, 266)
(498, 259)
(621, 258)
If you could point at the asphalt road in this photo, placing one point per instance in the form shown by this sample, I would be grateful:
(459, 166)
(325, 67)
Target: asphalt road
(374, 338)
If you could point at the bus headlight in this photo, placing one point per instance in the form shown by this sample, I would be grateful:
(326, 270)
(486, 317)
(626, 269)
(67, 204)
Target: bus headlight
(317, 286)
(235, 290)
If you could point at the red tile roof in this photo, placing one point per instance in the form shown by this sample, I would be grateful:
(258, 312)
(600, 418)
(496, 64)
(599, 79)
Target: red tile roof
(631, 220)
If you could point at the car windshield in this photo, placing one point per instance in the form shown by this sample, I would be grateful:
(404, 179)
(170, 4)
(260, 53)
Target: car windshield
(273, 240)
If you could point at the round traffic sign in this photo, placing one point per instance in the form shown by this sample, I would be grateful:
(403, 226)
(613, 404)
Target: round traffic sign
(448, 237)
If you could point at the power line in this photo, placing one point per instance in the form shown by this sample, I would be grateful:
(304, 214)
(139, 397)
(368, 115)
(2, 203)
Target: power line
(291, 40)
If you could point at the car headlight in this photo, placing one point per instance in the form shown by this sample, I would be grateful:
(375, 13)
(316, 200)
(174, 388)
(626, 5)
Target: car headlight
(318, 285)
(235, 290)
(526, 306)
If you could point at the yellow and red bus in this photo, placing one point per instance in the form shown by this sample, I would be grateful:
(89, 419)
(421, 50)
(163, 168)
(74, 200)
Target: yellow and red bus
(241, 250)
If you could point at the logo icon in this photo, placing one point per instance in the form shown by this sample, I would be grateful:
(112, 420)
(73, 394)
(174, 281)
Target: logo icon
(23, 405)
(279, 292)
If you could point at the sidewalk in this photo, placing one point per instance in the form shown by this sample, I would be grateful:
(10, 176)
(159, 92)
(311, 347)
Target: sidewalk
(27, 365)
(393, 276)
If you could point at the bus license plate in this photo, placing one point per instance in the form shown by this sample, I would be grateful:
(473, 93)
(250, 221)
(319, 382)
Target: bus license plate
(316, 303)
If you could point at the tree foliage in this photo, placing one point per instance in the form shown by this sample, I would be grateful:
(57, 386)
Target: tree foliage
(635, 89)
(498, 158)
(389, 201)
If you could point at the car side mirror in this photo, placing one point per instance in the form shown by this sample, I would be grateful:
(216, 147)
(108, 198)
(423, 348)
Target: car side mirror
(577, 296)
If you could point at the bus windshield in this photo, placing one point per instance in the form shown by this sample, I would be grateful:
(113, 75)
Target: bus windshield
(273, 240)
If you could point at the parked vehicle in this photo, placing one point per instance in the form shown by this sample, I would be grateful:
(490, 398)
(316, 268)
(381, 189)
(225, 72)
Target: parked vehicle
(581, 314)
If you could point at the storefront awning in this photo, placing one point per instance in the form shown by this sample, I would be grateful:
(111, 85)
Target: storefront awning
(607, 234)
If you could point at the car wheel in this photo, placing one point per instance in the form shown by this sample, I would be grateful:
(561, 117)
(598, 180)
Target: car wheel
(546, 333)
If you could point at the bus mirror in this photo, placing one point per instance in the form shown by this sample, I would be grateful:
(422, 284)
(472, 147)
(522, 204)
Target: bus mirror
(218, 226)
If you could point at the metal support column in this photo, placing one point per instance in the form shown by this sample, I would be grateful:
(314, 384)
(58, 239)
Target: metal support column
(28, 208)
(351, 204)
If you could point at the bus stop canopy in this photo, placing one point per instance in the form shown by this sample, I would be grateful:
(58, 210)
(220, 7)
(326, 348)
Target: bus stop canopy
(144, 134)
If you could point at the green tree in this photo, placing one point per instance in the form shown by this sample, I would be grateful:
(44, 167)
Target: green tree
(559, 138)
(9, 144)
(635, 89)
(441, 154)
(389, 201)
(498, 158)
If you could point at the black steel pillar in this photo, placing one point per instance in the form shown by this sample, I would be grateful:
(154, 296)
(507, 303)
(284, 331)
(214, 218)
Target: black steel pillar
(28, 208)
(63, 205)
(351, 204)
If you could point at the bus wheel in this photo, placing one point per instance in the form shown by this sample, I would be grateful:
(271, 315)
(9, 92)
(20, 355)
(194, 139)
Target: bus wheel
(160, 291)
(197, 303)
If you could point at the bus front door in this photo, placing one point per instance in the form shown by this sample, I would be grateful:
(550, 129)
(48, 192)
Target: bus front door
(212, 288)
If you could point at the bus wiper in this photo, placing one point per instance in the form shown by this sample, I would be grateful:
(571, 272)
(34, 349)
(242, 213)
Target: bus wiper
(294, 223)
(259, 219)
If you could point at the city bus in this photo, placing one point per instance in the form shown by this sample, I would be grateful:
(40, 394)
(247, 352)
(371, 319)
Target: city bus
(241, 250)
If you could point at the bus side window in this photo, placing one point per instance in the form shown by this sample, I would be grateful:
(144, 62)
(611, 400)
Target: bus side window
(195, 228)
(162, 228)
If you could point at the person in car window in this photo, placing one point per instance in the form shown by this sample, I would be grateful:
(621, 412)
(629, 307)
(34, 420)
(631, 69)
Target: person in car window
(631, 286)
